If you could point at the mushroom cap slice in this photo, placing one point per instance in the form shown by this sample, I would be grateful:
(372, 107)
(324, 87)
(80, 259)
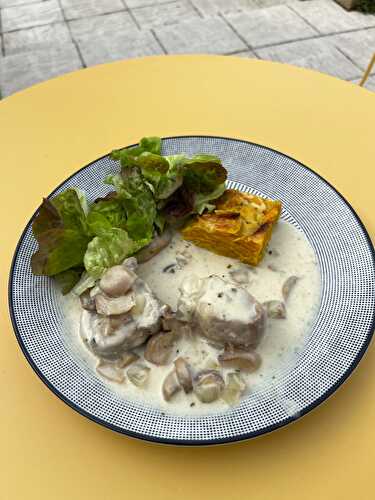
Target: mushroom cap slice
(157, 244)
(110, 371)
(234, 388)
(288, 286)
(87, 302)
(138, 374)
(159, 348)
(117, 281)
(208, 385)
(108, 306)
(126, 359)
(248, 361)
(275, 309)
(183, 372)
(171, 385)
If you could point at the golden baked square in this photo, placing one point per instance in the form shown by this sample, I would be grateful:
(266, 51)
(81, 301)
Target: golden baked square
(240, 226)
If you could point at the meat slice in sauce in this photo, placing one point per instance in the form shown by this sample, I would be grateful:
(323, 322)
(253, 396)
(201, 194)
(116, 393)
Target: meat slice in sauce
(222, 312)
(124, 322)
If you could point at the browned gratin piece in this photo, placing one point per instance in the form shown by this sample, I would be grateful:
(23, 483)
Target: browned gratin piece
(239, 227)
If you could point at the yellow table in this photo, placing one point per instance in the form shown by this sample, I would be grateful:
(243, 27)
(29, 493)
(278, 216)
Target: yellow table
(47, 132)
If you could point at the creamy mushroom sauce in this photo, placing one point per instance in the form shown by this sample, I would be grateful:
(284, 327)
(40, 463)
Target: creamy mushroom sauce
(288, 254)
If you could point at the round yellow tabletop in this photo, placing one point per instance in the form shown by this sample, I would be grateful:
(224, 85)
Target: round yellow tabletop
(47, 132)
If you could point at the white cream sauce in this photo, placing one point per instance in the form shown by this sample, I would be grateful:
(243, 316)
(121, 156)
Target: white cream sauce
(289, 253)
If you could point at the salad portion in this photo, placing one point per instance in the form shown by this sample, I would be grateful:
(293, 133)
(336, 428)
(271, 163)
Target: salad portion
(78, 240)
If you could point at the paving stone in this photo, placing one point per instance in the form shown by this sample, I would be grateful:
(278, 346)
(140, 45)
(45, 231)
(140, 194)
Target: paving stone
(19, 71)
(105, 48)
(359, 46)
(270, 3)
(75, 9)
(133, 4)
(245, 53)
(108, 25)
(328, 17)
(36, 38)
(27, 16)
(159, 15)
(212, 7)
(211, 36)
(317, 54)
(270, 26)
(11, 3)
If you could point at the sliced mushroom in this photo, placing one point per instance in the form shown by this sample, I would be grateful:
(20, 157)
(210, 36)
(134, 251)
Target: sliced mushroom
(240, 275)
(110, 371)
(183, 258)
(275, 309)
(138, 375)
(171, 385)
(108, 306)
(183, 372)
(248, 361)
(156, 246)
(288, 286)
(140, 302)
(234, 388)
(208, 385)
(170, 322)
(159, 348)
(126, 359)
(130, 263)
(273, 268)
(117, 281)
(87, 302)
(211, 364)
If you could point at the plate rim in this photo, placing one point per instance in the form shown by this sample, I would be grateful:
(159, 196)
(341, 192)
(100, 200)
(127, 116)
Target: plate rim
(193, 442)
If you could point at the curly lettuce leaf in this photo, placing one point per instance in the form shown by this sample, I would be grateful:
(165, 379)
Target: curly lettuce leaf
(127, 156)
(138, 202)
(60, 229)
(201, 201)
(109, 249)
(106, 214)
(204, 173)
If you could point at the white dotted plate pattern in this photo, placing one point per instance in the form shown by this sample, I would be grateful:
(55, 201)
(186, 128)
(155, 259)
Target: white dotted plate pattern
(337, 341)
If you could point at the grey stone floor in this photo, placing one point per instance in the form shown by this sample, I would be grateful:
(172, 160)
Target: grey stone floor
(43, 39)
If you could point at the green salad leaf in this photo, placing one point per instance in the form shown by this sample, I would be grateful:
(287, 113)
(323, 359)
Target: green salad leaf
(128, 156)
(78, 241)
(61, 232)
(109, 249)
(201, 200)
(203, 173)
(106, 214)
(69, 278)
(138, 202)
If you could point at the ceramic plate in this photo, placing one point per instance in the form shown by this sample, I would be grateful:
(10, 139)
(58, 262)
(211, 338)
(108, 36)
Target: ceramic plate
(337, 341)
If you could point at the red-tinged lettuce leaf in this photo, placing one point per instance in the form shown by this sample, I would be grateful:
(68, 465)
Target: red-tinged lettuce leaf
(204, 173)
(59, 249)
(61, 232)
(179, 205)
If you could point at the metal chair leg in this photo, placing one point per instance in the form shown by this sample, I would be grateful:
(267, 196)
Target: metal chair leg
(368, 70)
